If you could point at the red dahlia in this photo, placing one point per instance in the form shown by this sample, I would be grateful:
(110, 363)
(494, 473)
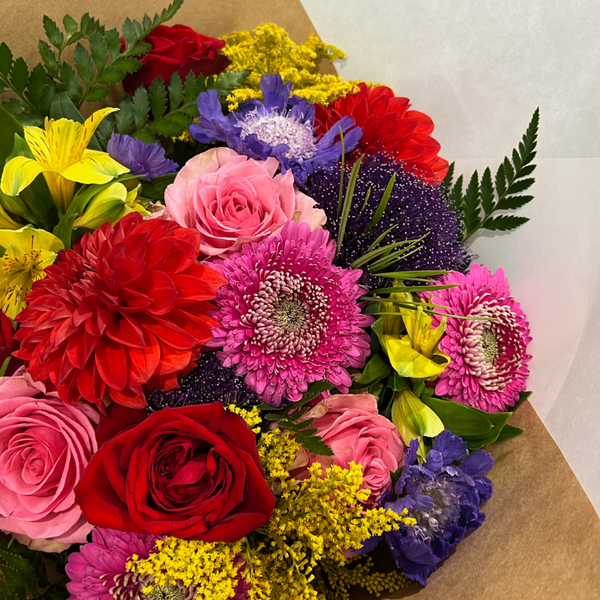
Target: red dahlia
(127, 307)
(389, 127)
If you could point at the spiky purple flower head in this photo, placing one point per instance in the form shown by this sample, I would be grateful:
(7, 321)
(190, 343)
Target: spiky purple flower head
(289, 316)
(443, 497)
(414, 210)
(98, 571)
(488, 366)
(282, 126)
(210, 381)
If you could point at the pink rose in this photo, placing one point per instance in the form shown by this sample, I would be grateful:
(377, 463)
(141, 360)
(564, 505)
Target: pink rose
(351, 425)
(232, 199)
(45, 445)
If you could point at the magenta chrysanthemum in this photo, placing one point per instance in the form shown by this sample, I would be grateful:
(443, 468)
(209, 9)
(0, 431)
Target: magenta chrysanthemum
(488, 366)
(98, 571)
(288, 316)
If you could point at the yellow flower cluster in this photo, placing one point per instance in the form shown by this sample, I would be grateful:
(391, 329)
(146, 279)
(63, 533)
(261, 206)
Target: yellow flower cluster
(211, 568)
(277, 451)
(252, 416)
(269, 49)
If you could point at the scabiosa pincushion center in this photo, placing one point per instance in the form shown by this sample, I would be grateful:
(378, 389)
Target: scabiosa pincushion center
(289, 316)
(126, 308)
(488, 366)
(282, 126)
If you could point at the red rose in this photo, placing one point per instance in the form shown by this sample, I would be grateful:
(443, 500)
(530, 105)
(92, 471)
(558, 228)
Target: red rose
(180, 49)
(191, 472)
(8, 344)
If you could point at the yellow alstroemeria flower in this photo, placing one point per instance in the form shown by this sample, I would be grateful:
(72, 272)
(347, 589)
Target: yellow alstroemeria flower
(414, 354)
(60, 153)
(414, 419)
(28, 251)
(111, 205)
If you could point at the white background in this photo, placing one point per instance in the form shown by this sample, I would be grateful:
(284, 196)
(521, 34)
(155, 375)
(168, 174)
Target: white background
(479, 68)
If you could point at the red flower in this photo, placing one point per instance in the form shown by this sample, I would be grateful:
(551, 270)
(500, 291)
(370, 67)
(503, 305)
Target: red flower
(192, 472)
(389, 127)
(8, 344)
(125, 308)
(177, 49)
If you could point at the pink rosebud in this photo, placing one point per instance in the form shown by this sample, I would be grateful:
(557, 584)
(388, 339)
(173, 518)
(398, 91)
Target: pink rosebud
(232, 199)
(356, 432)
(45, 445)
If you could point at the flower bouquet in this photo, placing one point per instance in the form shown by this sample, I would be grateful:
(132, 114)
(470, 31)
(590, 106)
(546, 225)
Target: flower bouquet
(246, 352)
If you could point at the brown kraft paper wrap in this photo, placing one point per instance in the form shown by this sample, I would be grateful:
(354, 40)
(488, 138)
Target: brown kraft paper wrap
(541, 538)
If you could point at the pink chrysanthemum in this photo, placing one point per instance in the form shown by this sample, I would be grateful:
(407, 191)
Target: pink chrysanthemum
(488, 366)
(98, 571)
(289, 316)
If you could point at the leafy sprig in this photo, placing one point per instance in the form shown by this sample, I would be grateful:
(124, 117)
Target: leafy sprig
(484, 198)
(291, 419)
(168, 112)
(104, 62)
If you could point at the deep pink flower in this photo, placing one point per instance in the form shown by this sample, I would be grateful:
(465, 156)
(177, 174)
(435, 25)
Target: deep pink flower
(353, 428)
(488, 366)
(98, 571)
(45, 446)
(289, 316)
(232, 199)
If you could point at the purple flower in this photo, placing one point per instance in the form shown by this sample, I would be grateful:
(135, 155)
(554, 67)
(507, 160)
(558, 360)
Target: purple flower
(209, 382)
(443, 497)
(415, 210)
(281, 126)
(140, 158)
(98, 571)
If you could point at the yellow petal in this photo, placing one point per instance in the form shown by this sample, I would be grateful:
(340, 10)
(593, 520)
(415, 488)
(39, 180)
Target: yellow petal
(92, 122)
(37, 140)
(29, 238)
(65, 143)
(407, 362)
(95, 167)
(413, 418)
(18, 173)
(6, 222)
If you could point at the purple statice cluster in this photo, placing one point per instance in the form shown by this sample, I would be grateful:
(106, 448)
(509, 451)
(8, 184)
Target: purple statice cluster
(147, 160)
(444, 496)
(415, 210)
(210, 381)
(281, 126)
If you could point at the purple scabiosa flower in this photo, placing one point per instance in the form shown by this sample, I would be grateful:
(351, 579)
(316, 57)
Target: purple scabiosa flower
(488, 367)
(415, 210)
(289, 316)
(140, 158)
(210, 381)
(281, 126)
(443, 497)
(98, 571)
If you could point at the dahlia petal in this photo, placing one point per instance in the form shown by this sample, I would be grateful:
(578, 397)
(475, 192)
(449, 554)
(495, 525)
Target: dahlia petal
(112, 363)
(144, 361)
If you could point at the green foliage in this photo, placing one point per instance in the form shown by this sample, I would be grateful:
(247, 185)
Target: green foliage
(290, 418)
(484, 198)
(168, 112)
(99, 63)
(23, 573)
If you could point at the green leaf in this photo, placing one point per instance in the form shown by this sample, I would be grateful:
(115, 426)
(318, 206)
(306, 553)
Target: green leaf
(456, 195)
(83, 63)
(96, 93)
(71, 84)
(508, 432)
(70, 25)
(125, 117)
(155, 189)
(377, 368)
(316, 388)
(129, 64)
(313, 443)
(53, 33)
(487, 192)
(348, 202)
(64, 229)
(504, 223)
(129, 33)
(19, 76)
(227, 81)
(175, 91)
(471, 206)
(99, 50)
(63, 108)
(6, 60)
(190, 94)
(513, 202)
(158, 98)
(141, 107)
(113, 42)
(20, 148)
(110, 75)
(9, 127)
(520, 186)
(49, 58)
(146, 136)
(382, 204)
(446, 184)
(459, 419)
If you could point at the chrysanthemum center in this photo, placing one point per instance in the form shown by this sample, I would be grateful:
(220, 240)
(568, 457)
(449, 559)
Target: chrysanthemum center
(165, 592)
(489, 345)
(290, 315)
(275, 129)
